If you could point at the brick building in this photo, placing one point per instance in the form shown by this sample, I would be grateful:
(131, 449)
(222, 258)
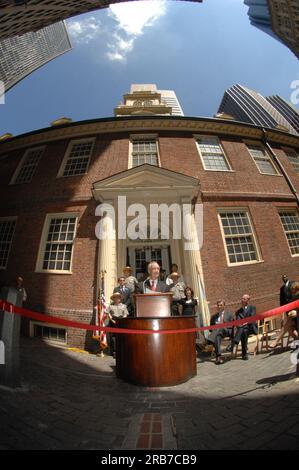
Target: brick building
(53, 179)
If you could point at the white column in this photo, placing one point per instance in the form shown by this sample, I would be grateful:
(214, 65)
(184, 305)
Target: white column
(194, 268)
(121, 256)
(107, 255)
(190, 256)
(175, 254)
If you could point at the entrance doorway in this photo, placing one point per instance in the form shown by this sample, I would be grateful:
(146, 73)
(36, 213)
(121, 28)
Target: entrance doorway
(138, 258)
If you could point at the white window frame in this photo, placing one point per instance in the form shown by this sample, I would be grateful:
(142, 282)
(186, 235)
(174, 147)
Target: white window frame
(253, 143)
(253, 235)
(67, 154)
(43, 242)
(21, 163)
(8, 219)
(48, 325)
(289, 150)
(135, 137)
(294, 211)
(205, 136)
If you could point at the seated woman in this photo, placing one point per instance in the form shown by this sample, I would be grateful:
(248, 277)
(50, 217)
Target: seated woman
(187, 306)
(290, 323)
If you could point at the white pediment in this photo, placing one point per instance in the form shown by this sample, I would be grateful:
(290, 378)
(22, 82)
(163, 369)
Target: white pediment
(146, 181)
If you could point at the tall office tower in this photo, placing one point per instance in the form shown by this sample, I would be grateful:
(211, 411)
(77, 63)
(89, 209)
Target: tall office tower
(21, 16)
(279, 18)
(249, 106)
(22, 55)
(146, 99)
(169, 97)
(288, 111)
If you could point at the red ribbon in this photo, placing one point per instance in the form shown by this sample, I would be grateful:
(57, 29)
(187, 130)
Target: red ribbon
(8, 307)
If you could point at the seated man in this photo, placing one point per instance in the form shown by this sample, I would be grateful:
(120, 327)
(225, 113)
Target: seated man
(222, 316)
(243, 331)
(152, 284)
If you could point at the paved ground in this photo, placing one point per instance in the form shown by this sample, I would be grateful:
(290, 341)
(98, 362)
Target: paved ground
(71, 400)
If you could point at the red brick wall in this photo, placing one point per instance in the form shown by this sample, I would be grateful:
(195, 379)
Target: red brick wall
(73, 296)
(260, 280)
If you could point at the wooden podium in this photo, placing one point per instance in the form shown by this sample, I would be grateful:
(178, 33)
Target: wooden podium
(155, 360)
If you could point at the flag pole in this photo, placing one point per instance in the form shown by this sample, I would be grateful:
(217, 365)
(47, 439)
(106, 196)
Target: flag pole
(204, 307)
(101, 315)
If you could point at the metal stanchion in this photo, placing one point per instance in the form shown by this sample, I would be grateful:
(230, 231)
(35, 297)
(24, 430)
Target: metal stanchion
(10, 336)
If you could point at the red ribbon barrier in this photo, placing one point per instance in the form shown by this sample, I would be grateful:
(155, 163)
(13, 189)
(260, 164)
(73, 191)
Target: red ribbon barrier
(8, 307)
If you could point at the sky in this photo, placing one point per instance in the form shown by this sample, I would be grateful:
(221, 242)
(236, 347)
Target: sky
(196, 49)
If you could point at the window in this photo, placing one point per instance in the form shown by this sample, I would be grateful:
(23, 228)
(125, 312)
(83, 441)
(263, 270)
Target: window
(47, 332)
(7, 228)
(28, 164)
(239, 239)
(145, 151)
(293, 158)
(212, 154)
(57, 243)
(290, 223)
(77, 158)
(262, 159)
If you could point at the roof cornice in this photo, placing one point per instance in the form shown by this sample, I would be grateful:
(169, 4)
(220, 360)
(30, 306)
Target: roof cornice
(136, 124)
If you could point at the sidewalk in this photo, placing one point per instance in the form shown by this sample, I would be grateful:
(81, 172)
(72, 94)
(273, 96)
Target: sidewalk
(72, 400)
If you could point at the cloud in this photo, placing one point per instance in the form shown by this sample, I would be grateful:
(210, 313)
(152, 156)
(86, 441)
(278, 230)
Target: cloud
(126, 22)
(85, 30)
(131, 21)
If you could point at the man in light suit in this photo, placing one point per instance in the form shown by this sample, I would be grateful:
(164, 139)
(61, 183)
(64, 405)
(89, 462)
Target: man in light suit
(152, 284)
(216, 336)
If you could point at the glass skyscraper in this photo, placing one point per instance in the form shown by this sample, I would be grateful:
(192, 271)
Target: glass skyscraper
(22, 55)
(247, 105)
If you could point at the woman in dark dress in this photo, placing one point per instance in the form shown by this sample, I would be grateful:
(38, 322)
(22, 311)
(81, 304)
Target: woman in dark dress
(187, 306)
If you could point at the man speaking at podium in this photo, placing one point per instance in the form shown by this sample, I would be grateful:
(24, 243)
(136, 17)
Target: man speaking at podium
(152, 284)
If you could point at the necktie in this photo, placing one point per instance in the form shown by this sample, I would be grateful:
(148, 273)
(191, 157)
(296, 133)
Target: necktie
(153, 285)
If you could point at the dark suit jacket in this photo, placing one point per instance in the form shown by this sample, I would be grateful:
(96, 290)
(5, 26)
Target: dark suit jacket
(161, 286)
(125, 296)
(285, 293)
(250, 312)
